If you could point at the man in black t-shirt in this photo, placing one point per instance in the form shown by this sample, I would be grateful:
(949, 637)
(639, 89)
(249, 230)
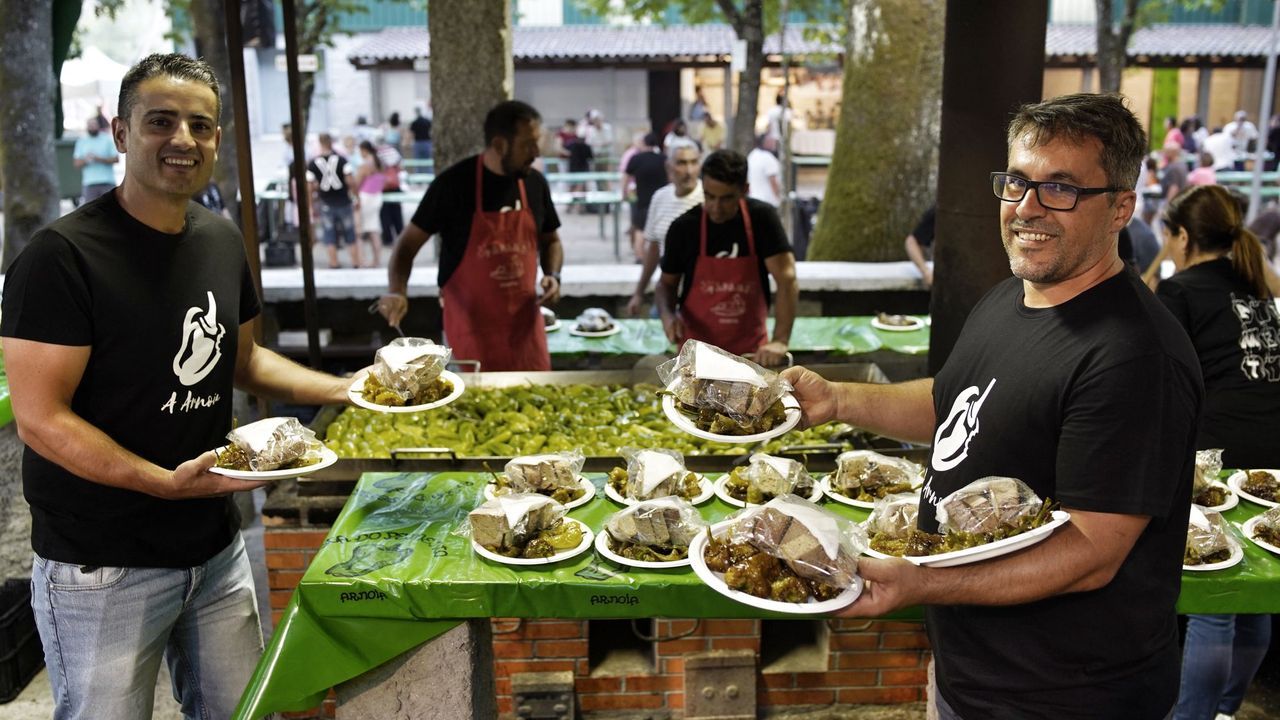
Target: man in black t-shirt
(420, 128)
(1073, 378)
(329, 178)
(648, 169)
(125, 325)
(919, 245)
(510, 189)
(716, 265)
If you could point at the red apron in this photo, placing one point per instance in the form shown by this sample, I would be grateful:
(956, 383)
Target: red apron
(725, 305)
(491, 300)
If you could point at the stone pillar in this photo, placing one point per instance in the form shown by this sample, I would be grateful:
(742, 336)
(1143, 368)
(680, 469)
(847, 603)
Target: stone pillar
(447, 678)
(471, 71)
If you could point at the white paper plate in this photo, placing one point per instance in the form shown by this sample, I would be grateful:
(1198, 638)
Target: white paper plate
(587, 538)
(915, 325)
(789, 403)
(553, 326)
(583, 483)
(602, 546)
(1248, 527)
(1231, 501)
(722, 492)
(596, 333)
(698, 499)
(824, 484)
(994, 549)
(1237, 554)
(353, 392)
(1239, 477)
(327, 458)
(716, 581)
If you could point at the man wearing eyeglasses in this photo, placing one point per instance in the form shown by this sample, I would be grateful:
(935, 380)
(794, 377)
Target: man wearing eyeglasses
(1072, 378)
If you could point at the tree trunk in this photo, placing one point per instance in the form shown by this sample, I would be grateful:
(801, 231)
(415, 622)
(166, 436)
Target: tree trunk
(209, 24)
(27, 158)
(476, 36)
(1113, 42)
(313, 17)
(749, 26)
(884, 169)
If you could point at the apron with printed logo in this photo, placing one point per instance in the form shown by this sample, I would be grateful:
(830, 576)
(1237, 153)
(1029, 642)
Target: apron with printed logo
(725, 305)
(491, 300)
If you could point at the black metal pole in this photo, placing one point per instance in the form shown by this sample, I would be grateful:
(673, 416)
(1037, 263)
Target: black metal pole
(299, 181)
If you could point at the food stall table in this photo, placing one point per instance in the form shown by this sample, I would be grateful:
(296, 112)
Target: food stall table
(394, 572)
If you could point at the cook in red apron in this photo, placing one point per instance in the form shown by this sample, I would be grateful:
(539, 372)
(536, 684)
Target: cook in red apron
(725, 305)
(491, 300)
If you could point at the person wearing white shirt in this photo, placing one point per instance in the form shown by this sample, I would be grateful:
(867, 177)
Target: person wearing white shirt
(668, 203)
(764, 175)
(1242, 132)
(1220, 146)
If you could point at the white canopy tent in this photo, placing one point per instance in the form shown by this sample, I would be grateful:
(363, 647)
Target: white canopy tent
(89, 81)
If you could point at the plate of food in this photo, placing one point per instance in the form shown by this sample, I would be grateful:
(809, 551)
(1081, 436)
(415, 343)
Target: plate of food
(862, 477)
(715, 395)
(407, 376)
(595, 323)
(985, 519)
(896, 323)
(550, 322)
(526, 529)
(554, 475)
(1216, 496)
(1264, 530)
(652, 534)
(1257, 486)
(764, 478)
(1209, 545)
(272, 449)
(788, 556)
(652, 474)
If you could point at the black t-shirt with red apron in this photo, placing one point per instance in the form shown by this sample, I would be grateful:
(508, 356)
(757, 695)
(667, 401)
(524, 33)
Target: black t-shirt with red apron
(724, 302)
(491, 301)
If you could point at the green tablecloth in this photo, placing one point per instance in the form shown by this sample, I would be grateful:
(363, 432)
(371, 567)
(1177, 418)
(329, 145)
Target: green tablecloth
(840, 335)
(393, 573)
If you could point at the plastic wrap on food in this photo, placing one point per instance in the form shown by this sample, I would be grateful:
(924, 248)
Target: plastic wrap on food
(662, 522)
(510, 520)
(776, 476)
(594, 320)
(1207, 538)
(1267, 527)
(533, 473)
(653, 473)
(704, 377)
(1208, 467)
(408, 364)
(986, 505)
(864, 471)
(814, 542)
(894, 516)
(270, 443)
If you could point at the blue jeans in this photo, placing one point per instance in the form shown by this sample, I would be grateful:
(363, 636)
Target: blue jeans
(421, 149)
(105, 631)
(1219, 659)
(338, 223)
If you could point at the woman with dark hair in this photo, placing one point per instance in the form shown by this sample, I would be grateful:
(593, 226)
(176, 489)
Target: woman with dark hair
(1221, 296)
(369, 179)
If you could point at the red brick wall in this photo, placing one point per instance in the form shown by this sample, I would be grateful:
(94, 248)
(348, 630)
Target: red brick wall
(868, 662)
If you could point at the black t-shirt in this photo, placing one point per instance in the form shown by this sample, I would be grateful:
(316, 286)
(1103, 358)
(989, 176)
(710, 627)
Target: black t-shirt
(161, 314)
(420, 128)
(580, 156)
(1092, 403)
(728, 239)
(329, 173)
(450, 202)
(1237, 337)
(650, 171)
(924, 229)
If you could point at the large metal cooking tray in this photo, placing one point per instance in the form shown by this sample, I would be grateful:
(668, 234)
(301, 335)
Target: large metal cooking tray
(340, 477)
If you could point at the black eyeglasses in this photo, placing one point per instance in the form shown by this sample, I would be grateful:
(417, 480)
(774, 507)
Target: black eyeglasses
(1052, 195)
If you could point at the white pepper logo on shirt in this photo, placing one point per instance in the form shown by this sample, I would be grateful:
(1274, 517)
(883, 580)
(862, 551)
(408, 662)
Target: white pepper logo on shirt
(1259, 338)
(957, 430)
(199, 354)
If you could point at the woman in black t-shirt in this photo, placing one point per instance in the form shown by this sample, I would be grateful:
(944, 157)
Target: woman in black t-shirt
(1220, 295)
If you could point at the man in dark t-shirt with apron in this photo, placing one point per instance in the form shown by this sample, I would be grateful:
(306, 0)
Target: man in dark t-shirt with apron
(126, 324)
(1072, 377)
(716, 265)
(497, 226)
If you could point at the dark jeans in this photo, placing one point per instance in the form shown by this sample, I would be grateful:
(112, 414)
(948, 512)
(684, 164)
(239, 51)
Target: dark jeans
(392, 217)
